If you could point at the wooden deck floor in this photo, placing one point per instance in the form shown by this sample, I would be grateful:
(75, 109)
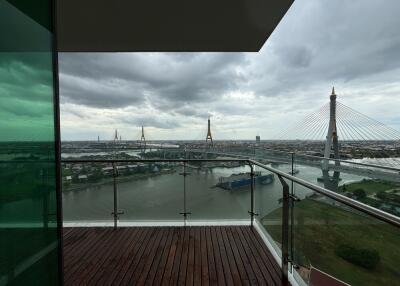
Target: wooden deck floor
(226, 255)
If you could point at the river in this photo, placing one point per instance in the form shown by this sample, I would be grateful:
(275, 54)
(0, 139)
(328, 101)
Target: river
(161, 197)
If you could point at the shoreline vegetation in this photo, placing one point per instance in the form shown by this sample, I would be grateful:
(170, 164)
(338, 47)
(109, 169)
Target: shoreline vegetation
(379, 194)
(68, 187)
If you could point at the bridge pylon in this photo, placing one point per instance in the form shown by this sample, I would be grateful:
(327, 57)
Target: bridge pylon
(116, 135)
(143, 141)
(331, 143)
(209, 136)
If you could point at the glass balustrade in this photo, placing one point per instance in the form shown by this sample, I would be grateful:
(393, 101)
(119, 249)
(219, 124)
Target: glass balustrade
(218, 192)
(87, 192)
(333, 239)
(319, 237)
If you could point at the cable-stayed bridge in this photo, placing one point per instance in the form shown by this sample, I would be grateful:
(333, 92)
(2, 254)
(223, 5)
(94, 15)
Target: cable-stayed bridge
(366, 170)
(341, 131)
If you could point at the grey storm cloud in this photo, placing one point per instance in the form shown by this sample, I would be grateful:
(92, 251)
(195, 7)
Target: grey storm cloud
(152, 121)
(120, 80)
(330, 41)
(319, 43)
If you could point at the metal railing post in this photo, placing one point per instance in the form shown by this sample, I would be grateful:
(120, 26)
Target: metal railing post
(185, 213)
(251, 212)
(115, 213)
(252, 194)
(285, 230)
(292, 202)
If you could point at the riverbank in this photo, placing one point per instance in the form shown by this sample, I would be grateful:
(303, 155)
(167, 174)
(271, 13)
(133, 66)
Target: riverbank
(380, 194)
(110, 180)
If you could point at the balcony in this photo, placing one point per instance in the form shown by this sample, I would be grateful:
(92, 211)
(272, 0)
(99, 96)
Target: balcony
(192, 255)
(175, 221)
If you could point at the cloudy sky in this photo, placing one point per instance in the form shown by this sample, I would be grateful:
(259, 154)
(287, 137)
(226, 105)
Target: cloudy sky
(353, 45)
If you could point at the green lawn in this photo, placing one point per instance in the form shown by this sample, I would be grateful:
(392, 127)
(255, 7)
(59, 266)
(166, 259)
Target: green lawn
(369, 186)
(320, 227)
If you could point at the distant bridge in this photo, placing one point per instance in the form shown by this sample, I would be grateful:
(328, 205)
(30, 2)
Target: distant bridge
(360, 169)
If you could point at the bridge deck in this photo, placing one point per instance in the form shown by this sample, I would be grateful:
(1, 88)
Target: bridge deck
(214, 255)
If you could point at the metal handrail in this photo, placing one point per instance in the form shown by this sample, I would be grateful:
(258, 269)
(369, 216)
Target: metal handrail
(149, 160)
(331, 159)
(351, 162)
(376, 213)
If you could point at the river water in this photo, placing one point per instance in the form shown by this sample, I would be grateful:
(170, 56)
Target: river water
(162, 197)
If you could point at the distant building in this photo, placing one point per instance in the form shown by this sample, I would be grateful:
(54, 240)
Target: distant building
(258, 140)
(82, 177)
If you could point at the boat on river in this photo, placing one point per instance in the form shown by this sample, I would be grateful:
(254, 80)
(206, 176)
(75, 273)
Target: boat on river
(241, 180)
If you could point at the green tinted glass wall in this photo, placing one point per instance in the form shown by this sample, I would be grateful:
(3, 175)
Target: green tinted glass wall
(28, 206)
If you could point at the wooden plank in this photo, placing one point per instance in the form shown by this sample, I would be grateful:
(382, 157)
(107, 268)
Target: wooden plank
(67, 232)
(137, 258)
(173, 251)
(132, 257)
(161, 249)
(251, 258)
(77, 244)
(147, 257)
(153, 257)
(113, 257)
(243, 256)
(98, 266)
(267, 252)
(217, 258)
(74, 248)
(205, 279)
(197, 273)
(86, 254)
(261, 252)
(190, 264)
(255, 260)
(171, 274)
(135, 241)
(231, 259)
(184, 257)
(229, 278)
(234, 257)
(162, 267)
(212, 268)
(88, 239)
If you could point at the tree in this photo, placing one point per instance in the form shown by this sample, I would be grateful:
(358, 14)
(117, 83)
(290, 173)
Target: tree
(381, 195)
(360, 193)
(366, 258)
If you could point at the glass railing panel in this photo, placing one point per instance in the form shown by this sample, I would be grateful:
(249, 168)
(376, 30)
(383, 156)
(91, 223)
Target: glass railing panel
(150, 192)
(87, 192)
(378, 187)
(218, 192)
(334, 241)
(268, 207)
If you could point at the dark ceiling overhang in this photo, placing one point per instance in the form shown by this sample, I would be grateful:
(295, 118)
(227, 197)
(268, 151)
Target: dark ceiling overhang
(167, 25)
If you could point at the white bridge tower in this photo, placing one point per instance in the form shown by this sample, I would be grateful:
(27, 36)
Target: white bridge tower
(331, 143)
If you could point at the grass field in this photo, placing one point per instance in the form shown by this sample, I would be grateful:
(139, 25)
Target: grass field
(320, 227)
(369, 186)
